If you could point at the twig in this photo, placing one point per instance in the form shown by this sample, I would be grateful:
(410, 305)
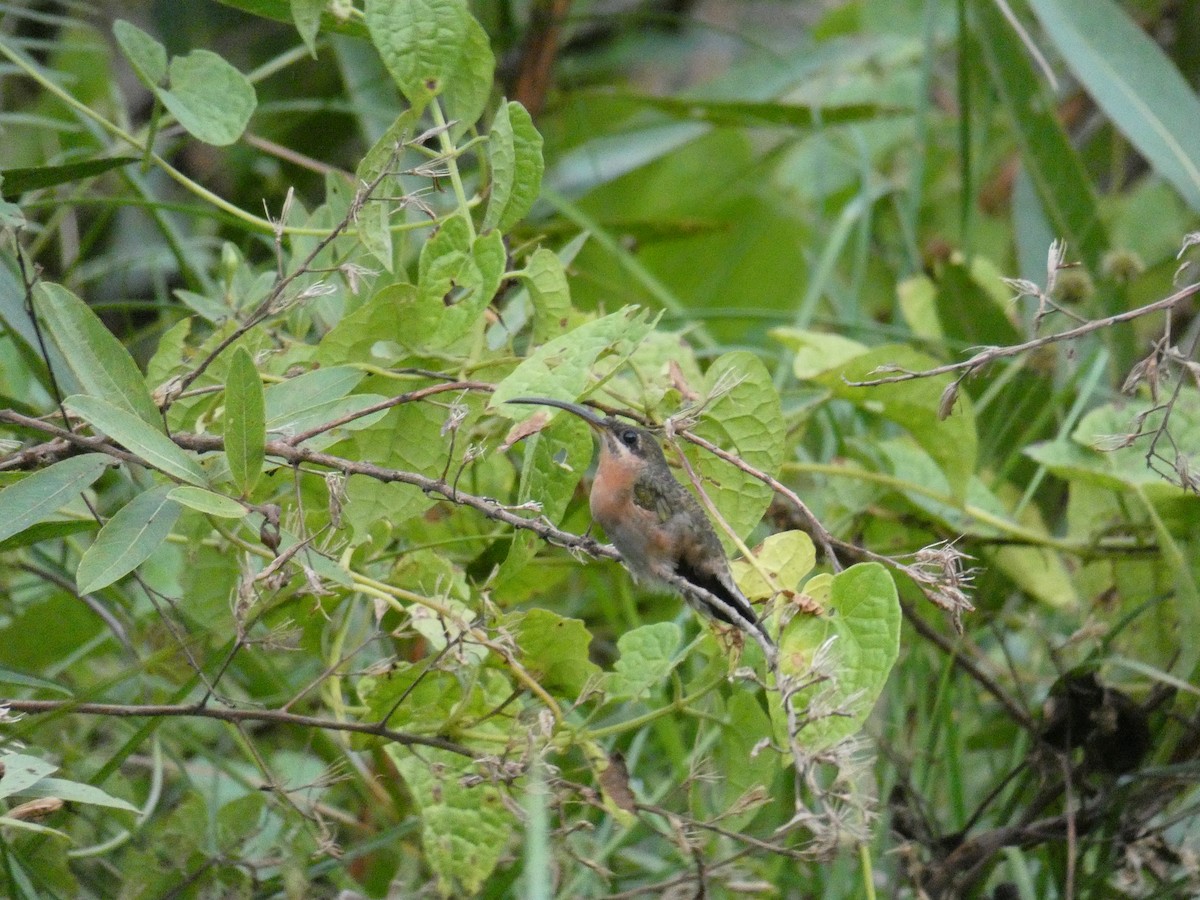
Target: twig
(264, 309)
(398, 400)
(67, 442)
(274, 716)
(991, 354)
(824, 539)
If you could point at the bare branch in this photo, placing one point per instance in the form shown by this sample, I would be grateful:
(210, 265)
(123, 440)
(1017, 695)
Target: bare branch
(274, 716)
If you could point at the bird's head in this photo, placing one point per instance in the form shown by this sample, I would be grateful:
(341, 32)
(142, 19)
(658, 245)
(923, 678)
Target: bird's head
(625, 444)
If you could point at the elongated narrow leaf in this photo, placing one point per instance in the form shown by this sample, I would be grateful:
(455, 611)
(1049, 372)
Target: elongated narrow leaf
(37, 497)
(515, 152)
(22, 772)
(153, 447)
(1053, 166)
(96, 358)
(292, 400)
(208, 502)
(75, 792)
(1134, 82)
(245, 421)
(17, 181)
(751, 114)
(127, 539)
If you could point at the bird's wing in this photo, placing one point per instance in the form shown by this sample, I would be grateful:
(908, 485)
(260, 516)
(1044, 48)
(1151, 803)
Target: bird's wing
(648, 495)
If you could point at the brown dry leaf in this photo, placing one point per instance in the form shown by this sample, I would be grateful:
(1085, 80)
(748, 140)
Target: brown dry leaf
(614, 780)
(522, 430)
(803, 603)
(35, 809)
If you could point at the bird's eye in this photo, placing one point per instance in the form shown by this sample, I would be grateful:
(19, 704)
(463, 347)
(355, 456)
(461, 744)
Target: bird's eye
(629, 438)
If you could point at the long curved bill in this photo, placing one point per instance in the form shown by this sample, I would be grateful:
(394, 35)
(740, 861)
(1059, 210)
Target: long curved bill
(588, 415)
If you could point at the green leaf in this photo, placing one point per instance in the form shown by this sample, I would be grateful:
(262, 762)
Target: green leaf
(127, 539)
(147, 56)
(281, 11)
(153, 447)
(431, 48)
(863, 620)
(32, 682)
(555, 650)
(75, 792)
(207, 502)
(37, 497)
(374, 226)
(22, 772)
(787, 556)
(647, 658)
(323, 413)
(306, 15)
(245, 421)
(914, 406)
(358, 337)
(816, 351)
(211, 99)
(46, 531)
(18, 181)
(11, 217)
(96, 358)
(1050, 159)
(464, 829)
(744, 765)
(546, 278)
(294, 400)
(1097, 452)
(515, 154)
(753, 114)
(746, 419)
(459, 277)
(1133, 81)
(559, 370)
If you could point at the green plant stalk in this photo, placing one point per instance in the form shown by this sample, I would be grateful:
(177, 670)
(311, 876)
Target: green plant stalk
(450, 155)
(332, 686)
(868, 876)
(680, 704)
(1187, 592)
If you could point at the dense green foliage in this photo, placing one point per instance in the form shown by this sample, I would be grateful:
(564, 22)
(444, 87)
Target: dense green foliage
(288, 610)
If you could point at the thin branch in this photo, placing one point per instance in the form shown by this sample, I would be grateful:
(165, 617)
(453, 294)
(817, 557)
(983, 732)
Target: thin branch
(825, 540)
(991, 354)
(274, 716)
(398, 400)
(268, 304)
(67, 441)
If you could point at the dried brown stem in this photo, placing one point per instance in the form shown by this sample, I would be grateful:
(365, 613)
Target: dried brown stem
(991, 354)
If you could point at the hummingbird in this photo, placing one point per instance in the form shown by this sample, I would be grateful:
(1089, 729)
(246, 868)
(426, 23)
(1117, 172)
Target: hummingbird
(657, 524)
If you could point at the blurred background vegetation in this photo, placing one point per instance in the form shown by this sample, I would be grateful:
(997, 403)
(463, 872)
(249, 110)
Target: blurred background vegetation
(780, 178)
